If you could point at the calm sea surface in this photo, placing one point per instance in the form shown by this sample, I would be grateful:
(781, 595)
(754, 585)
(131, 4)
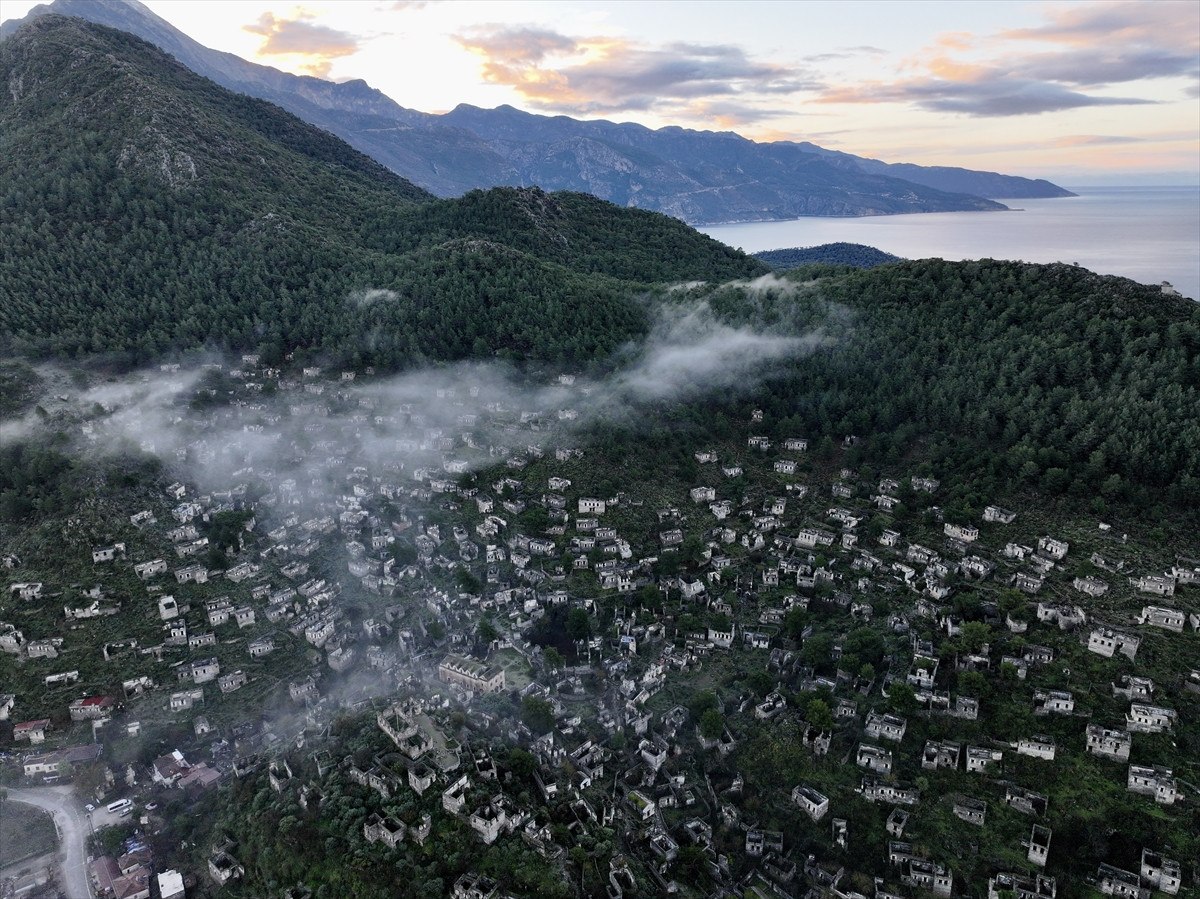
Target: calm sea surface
(1149, 234)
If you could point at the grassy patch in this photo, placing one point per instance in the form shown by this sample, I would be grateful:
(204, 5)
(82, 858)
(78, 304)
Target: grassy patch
(516, 669)
(25, 831)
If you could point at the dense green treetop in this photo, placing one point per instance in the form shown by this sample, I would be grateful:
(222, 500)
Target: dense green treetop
(855, 255)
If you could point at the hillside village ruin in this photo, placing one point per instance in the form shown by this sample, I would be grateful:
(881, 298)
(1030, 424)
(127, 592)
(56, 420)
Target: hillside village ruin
(425, 532)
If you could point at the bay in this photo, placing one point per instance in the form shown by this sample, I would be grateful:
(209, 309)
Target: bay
(1149, 234)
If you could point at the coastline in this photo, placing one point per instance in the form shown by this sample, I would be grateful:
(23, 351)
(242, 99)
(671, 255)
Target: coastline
(1147, 234)
(866, 215)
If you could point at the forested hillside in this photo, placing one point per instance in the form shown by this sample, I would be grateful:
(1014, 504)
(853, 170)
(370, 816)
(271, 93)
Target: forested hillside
(856, 255)
(150, 211)
(1044, 378)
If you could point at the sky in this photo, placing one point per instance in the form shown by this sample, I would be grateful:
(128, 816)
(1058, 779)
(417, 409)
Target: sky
(1082, 93)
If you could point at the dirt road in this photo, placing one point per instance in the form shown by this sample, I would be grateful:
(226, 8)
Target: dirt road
(73, 828)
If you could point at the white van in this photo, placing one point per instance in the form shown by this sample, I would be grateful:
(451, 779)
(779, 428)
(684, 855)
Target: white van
(120, 807)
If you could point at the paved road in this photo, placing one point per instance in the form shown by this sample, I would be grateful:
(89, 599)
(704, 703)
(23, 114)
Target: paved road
(72, 824)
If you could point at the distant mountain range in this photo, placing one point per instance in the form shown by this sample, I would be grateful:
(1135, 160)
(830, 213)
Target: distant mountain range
(702, 177)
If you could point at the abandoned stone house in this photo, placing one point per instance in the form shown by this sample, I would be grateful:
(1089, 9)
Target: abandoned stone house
(1160, 585)
(1112, 744)
(1039, 746)
(874, 759)
(1149, 719)
(886, 727)
(1106, 642)
(981, 760)
(1168, 619)
(1053, 548)
(1153, 781)
(814, 803)
(1053, 702)
(940, 755)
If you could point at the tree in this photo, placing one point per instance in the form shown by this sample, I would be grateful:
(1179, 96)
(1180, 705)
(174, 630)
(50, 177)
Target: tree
(468, 583)
(817, 649)
(669, 565)
(760, 682)
(537, 714)
(974, 635)
(87, 780)
(701, 702)
(520, 762)
(553, 658)
(795, 621)
(1012, 602)
(690, 551)
(864, 643)
(972, 683)
(579, 624)
(486, 631)
(535, 519)
(902, 698)
(691, 865)
(712, 724)
(819, 715)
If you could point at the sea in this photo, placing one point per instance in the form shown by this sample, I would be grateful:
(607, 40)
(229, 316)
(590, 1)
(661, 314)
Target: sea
(1149, 234)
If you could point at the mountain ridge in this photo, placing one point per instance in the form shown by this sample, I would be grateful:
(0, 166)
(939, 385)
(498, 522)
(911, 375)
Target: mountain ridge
(150, 210)
(699, 176)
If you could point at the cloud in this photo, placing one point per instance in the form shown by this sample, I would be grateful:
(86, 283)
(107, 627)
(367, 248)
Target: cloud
(371, 296)
(611, 74)
(1118, 65)
(316, 45)
(691, 352)
(1096, 140)
(733, 112)
(1066, 63)
(134, 406)
(1171, 24)
(1152, 137)
(955, 40)
(1113, 43)
(488, 411)
(846, 53)
(1002, 96)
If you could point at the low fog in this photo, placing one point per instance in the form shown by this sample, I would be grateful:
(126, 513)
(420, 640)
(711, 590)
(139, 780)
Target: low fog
(303, 433)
